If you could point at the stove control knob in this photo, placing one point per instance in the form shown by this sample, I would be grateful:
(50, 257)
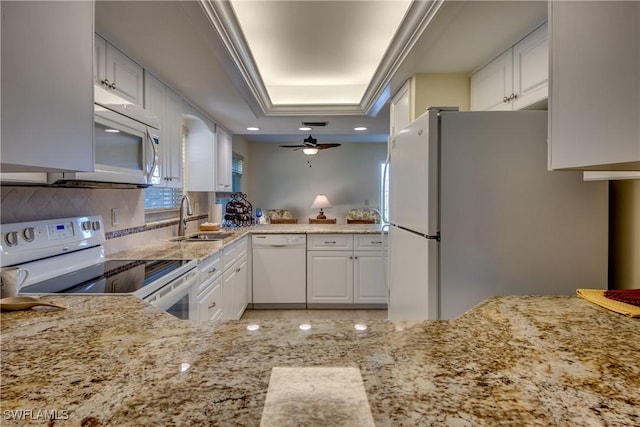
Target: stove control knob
(29, 234)
(95, 225)
(11, 238)
(86, 225)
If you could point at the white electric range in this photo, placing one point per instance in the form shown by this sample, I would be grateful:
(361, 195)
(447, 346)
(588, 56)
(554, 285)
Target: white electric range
(67, 256)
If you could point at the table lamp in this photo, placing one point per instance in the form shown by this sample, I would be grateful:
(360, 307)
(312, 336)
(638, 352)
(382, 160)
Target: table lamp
(321, 201)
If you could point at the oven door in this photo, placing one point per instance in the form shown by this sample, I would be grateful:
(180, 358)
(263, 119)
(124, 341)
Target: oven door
(175, 298)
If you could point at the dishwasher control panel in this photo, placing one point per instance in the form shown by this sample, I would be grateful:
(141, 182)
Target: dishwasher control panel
(278, 240)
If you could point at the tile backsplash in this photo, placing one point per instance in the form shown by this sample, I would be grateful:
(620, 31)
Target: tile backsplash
(20, 204)
(37, 203)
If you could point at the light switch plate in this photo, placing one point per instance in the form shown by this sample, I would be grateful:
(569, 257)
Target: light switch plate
(115, 216)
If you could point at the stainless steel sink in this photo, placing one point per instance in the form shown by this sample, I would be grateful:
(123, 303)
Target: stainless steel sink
(203, 237)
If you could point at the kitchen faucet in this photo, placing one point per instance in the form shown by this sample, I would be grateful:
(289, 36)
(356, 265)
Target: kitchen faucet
(182, 225)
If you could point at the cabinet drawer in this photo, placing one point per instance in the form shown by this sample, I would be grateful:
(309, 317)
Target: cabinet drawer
(368, 242)
(233, 252)
(338, 242)
(210, 305)
(210, 268)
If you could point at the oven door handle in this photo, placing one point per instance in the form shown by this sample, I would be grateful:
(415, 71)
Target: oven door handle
(164, 298)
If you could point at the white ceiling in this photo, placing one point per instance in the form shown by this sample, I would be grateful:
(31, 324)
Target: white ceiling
(317, 52)
(178, 41)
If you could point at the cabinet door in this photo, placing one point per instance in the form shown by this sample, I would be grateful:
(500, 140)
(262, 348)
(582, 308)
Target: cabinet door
(369, 279)
(210, 303)
(493, 84)
(99, 58)
(400, 109)
(228, 294)
(47, 89)
(240, 288)
(124, 74)
(330, 277)
(172, 139)
(531, 69)
(594, 102)
(223, 175)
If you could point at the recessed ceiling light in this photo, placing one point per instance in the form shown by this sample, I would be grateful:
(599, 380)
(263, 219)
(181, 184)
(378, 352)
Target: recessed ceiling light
(112, 130)
(359, 128)
(304, 128)
(253, 128)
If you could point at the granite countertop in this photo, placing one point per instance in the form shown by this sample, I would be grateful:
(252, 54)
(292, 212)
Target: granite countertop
(511, 361)
(170, 249)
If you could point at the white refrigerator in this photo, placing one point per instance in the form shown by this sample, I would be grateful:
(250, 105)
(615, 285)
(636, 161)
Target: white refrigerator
(474, 213)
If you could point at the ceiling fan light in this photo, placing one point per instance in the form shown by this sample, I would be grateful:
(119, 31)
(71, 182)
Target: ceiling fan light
(310, 151)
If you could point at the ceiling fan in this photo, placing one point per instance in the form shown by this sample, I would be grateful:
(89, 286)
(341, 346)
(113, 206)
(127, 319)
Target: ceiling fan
(311, 146)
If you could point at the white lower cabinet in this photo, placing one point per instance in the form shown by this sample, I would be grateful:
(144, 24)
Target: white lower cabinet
(369, 284)
(235, 291)
(346, 269)
(330, 277)
(209, 292)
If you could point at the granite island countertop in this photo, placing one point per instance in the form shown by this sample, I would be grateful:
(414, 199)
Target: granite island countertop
(512, 361)
(172, 249)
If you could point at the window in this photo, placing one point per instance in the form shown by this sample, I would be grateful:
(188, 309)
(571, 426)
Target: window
(384, 191)
(162, 198)
(237, 164)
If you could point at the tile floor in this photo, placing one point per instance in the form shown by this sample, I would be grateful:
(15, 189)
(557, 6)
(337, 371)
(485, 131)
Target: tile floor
(315, 314)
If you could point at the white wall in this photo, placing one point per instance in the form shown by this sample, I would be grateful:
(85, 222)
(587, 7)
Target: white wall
(348, 175)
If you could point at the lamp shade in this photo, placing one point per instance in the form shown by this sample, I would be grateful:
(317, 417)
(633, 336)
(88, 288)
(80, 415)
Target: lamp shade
(321, 201)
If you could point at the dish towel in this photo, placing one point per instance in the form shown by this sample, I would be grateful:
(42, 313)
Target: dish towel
(597, 296)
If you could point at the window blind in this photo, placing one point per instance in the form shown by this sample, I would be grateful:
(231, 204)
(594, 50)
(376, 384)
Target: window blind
(162, 198)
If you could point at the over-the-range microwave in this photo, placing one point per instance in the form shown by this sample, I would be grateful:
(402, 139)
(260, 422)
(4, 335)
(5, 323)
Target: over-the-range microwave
(126, 139)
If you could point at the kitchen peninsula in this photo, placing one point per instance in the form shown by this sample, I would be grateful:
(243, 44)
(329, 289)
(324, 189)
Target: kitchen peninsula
(510, 361)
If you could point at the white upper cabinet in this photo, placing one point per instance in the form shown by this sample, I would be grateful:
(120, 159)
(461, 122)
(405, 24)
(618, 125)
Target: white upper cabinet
(201, 153)
(594, 103)
(517, 79)
(47, 90)
(167, 105)
(115, 71)
(492, 86)
(225, 153)
(400, 109)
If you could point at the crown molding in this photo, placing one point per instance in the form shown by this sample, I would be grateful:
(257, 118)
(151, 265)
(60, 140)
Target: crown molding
(222, 18)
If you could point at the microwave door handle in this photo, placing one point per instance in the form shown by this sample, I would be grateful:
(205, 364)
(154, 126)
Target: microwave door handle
(155, 156)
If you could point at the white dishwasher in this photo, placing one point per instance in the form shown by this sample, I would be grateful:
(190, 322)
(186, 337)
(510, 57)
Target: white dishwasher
(279, 270)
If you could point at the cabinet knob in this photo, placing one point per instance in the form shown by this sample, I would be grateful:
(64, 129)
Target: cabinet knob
(238, 270)
(213, 270)
(113, 85)
(512, 97)
(350, 257)
(505, 99)
(106, 82)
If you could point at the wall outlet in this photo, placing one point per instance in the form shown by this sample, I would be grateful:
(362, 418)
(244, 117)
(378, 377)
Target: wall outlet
(115, 216)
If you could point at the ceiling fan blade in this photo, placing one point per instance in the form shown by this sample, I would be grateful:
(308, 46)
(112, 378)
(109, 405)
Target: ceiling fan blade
(325, 146)
(293, 146)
